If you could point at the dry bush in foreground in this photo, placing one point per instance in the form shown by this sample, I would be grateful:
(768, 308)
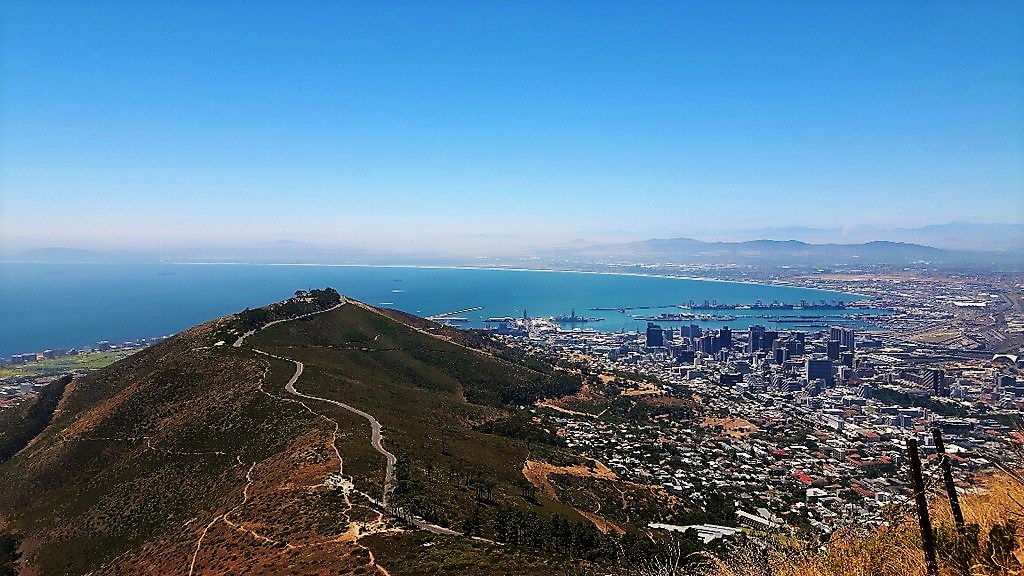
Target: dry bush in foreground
(993, 544)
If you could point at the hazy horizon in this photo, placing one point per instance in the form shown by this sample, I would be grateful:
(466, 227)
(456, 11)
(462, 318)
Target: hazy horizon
(952, 236)
(461, 126)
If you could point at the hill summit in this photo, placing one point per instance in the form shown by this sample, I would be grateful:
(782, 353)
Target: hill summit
(317, 435)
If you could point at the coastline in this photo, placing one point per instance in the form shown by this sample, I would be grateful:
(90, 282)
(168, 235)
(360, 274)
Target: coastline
(29, 335)
(520, 269)
(449, 267)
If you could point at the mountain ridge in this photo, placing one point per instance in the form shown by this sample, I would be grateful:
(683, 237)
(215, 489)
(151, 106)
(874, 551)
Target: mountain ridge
(959, 241)
(196, 456)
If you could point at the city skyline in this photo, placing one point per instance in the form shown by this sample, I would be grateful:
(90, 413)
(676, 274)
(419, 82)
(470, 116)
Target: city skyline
(197, 124)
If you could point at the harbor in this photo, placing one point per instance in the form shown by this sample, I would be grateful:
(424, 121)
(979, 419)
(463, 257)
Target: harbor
(151, 296)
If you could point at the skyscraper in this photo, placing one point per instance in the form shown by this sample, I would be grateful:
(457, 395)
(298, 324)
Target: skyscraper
(845, 337)
(832, 349)
(819, 368)
(655, 335)
(754, 334)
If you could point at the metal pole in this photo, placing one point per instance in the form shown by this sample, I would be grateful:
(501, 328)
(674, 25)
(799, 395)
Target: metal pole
(927, 538)
(947, 476)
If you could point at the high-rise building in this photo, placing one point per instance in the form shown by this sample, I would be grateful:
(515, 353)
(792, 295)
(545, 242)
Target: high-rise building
(779, 355)
(725, 338)
(845, 337)
(832, 349)
(1003, 381)
(709, 344)
(935, 380)
(754, 334)
(819, 368)
(655, 335)
(801, 342)
(683, 355)
(793, 346)
(692, 331)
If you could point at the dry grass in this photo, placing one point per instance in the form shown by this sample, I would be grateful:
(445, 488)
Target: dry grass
(537, 473)
(732, 427)
(895, 550)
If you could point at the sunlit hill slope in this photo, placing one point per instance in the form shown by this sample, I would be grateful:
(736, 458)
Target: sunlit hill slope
(195, 457)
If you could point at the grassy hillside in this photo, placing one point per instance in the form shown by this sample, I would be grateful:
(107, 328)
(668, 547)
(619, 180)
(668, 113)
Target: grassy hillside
(140, 453)
(433, 398)
(191, 457)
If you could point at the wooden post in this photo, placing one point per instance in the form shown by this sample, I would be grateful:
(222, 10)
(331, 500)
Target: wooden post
(927, 538)
(947, 476)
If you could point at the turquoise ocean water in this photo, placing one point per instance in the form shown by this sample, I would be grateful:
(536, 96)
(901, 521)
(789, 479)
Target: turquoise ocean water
(68, 305)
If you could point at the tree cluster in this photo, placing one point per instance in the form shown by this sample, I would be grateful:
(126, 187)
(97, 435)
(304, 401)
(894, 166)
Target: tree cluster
(555, 533)
(526, 392)
(304, 303)
(520, 426)
(520, 357)
(889, 396)
(492, 518)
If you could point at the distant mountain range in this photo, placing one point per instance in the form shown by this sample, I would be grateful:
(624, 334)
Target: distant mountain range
(61, 254)
(772, 249)
(792, 252)
(279, 252)
(953, 236)
(973, 246)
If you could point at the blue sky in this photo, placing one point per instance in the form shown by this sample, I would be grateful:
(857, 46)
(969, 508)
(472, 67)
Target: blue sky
(177, 123)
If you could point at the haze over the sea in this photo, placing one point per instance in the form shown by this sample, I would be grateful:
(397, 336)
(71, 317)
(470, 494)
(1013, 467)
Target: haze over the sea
(67, 305)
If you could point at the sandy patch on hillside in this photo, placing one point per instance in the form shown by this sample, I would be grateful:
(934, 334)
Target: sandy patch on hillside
(734, 427)
(643, 389)
(538, 474)
(603, 525)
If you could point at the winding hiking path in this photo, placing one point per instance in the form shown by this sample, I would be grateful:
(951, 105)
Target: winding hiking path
(241, 339)
(376, 437)
(375, 428)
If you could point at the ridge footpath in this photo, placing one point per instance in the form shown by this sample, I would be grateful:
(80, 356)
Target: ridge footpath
(328, 436)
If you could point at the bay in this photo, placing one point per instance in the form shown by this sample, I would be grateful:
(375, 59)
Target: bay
(46, 305)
